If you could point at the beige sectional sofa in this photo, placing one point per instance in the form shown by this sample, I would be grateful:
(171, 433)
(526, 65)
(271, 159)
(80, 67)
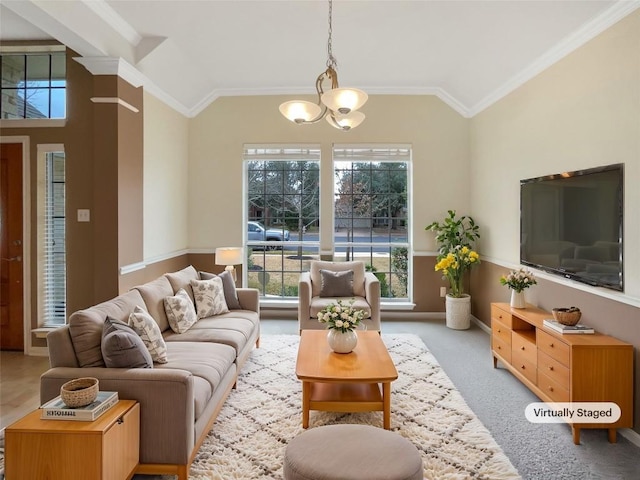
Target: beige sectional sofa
(179, 399)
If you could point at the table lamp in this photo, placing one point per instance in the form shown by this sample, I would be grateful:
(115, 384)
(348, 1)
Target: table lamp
(229, 256)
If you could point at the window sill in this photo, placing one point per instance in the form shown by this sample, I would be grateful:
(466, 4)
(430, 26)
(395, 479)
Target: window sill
(293, 304)
(43, 331)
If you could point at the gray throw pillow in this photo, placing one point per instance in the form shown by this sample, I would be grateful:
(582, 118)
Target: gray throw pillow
(122, 347)
(336, 284)
(229, 287)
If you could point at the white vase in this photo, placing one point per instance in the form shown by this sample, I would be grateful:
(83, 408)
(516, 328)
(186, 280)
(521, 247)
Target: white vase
(518, 300)
(342, 342)
(458, 312)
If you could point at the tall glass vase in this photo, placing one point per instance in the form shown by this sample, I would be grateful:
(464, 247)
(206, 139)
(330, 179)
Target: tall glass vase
(518, 300)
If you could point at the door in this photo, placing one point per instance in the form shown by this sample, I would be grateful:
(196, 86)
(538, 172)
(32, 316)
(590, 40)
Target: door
(11, 254)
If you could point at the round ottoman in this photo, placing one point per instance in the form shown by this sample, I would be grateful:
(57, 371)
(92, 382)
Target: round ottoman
(351, 452)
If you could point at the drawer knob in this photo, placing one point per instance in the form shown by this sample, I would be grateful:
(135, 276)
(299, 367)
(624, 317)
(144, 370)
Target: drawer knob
(521, 348)
(551, 389)
(522, 367)
(551, 368)
(551, 345)
(499, 331)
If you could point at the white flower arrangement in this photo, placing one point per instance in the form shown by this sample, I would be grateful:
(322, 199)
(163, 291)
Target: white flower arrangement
(339, 316)
(518, 280)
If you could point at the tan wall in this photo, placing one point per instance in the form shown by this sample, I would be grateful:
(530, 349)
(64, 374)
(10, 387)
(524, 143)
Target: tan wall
(582, 112)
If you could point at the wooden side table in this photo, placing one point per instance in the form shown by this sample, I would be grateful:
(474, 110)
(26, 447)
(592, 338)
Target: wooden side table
(105, 449)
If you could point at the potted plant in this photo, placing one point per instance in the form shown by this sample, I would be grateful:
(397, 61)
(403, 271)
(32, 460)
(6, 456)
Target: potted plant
(455, 237)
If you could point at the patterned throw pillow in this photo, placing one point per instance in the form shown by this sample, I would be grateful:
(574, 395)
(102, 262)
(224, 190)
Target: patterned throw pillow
(145, 326)
(209, 296)
(181, 312)
(229, 287)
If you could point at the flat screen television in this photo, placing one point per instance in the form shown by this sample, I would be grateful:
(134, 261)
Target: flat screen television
(571, 225)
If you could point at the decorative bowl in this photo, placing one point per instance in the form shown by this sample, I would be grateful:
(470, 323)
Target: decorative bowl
(567, 316)
(79, 392)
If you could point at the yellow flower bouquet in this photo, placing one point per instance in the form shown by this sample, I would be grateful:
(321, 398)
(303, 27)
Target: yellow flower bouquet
(454, 264)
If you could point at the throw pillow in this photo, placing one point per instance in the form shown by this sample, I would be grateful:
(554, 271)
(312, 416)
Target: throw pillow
(336, 284)
(229, 287)
(181, 312)
(209, 295)
(122, 347)
(146, 327)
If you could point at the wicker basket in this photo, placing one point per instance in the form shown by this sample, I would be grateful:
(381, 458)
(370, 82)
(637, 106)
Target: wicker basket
(79, 392)
(567, 316)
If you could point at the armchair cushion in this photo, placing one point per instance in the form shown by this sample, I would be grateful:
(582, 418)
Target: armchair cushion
(336, 284)
(356, 267)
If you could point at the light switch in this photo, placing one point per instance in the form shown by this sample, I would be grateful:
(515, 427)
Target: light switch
(84, 215)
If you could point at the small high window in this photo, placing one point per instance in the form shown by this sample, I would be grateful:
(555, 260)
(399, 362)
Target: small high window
(34, 85)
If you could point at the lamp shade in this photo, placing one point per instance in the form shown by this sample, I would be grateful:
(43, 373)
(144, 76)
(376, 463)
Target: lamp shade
(344, 100)
(229, 255)
(346, 122)
(299, 111)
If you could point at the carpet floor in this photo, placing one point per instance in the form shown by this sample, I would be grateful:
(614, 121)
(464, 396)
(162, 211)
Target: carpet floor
(258, 420)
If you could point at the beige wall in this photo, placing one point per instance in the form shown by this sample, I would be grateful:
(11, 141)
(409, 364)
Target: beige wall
(582, 112)
(438, 136)
(166, 155)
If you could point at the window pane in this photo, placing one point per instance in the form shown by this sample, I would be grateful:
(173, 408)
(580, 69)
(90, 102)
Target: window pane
(12, 70)
(58, 70)
(37, 103)
(58, 103)
(38, 71)
(12, 103)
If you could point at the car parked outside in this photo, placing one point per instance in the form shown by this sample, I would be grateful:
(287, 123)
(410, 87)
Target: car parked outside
(257, 232)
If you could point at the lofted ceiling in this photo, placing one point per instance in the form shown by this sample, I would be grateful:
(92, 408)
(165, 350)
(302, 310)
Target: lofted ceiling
(188, 53)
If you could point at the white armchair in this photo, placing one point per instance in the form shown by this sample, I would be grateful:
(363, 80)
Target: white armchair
(344, 281)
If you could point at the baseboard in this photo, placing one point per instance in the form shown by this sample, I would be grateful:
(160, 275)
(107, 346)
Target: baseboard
(631, 435)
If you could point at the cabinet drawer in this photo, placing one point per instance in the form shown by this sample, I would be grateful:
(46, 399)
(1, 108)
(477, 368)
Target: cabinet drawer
(524, 347)
(500, 315)
(554, 347)
(553, 389)
(501, 348)
(524, 366)
(501, 331)
(553, 369)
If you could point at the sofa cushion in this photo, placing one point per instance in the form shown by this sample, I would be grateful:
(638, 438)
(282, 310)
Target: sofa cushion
(181, 312)
(148, 330)
(153, 293)
(208, 362)
(234, 329)
(356, 266)
(229, 286)
(209, 297)
(336, 284)
(122, 347)
(182, 278)
(85, 326)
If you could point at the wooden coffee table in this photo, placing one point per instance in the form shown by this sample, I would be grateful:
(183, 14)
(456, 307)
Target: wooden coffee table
(359, 381)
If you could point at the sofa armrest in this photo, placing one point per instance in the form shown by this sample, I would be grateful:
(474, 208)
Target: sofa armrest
(249, 299)
(372, 295)
(166, 398)
(304, 299)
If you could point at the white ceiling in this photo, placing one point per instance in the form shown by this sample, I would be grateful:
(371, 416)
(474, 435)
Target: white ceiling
(188, 53)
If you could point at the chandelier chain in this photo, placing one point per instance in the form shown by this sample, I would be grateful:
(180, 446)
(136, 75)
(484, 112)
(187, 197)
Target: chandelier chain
(331, 61)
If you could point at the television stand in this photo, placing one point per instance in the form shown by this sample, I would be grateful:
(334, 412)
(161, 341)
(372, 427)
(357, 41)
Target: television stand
(564, 368)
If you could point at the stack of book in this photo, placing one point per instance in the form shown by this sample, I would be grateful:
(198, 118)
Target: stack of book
(57, 410)
(567, 329)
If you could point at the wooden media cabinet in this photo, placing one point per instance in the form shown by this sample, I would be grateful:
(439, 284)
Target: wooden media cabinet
(564, 368)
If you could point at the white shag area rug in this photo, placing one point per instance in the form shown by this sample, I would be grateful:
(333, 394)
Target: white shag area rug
(264, 413)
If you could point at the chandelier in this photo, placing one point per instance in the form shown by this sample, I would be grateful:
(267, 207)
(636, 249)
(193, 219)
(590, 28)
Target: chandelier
(338, 105)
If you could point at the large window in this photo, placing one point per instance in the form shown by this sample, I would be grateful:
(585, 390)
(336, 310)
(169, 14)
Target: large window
(371, 213)
(283, 203)
(33, 85)
(51, 236)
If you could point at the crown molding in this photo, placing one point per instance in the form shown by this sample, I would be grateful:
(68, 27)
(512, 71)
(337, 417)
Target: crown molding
(574, 41)
(112, 66)
(115, 21)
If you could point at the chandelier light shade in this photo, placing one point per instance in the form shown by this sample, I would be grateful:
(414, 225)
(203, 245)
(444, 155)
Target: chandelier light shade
(338, 105)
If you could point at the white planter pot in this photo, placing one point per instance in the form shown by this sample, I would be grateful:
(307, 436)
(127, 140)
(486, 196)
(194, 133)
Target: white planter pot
(458, 312)
(342, 342)
(518, 300)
